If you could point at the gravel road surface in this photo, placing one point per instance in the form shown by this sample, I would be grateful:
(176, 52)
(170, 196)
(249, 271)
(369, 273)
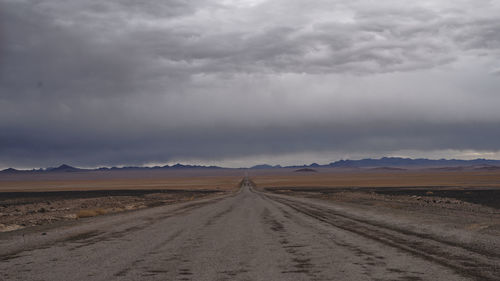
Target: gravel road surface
(249, 235)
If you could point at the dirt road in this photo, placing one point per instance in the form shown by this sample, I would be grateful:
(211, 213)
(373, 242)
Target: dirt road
(246, 236)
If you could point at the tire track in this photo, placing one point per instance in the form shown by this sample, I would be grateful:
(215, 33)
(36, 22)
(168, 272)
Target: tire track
(461, 260)
(299, 260)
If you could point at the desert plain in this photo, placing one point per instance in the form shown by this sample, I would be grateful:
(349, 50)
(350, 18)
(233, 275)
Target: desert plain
(253, 224)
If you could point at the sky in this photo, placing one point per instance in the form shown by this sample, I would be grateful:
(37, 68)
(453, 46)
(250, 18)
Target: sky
(242, 82)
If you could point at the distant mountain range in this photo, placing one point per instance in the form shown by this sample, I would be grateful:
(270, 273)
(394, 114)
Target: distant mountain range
(394, 163)
(67, 168)
(408, 162)
(265, 166)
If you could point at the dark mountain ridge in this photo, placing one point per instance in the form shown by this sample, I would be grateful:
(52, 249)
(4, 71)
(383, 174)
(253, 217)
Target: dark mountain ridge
(400, 163)
(409, 162)
(68, 168)
(388, 163)
(64, 168)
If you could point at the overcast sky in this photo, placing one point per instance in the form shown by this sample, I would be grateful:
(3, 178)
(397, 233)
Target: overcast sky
(240, 82)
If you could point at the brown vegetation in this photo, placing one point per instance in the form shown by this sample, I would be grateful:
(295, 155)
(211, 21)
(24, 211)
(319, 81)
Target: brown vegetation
(117, 181)
(91, 213)
(381, 179)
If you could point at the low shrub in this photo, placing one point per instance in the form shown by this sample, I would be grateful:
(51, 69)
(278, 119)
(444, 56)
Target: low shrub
(90, 213)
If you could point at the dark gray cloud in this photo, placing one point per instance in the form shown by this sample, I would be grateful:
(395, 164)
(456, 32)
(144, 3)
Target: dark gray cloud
(131, 82)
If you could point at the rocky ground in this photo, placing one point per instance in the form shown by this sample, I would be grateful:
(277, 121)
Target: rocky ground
(455, 208)
(23, 209)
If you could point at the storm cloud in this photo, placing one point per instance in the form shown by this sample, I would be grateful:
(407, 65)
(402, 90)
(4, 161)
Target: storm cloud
(134, 82)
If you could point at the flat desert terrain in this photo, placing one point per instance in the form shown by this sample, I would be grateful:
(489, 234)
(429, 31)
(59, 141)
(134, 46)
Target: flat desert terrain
(30, 199)
(275, 224)
(378, 178)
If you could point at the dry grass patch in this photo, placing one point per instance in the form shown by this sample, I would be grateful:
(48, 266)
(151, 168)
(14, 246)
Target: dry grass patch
(216, 179)
(223, 183)
(91, 213)
(385, 179)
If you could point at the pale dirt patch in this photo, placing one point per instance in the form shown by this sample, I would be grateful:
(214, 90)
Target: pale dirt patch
(5, 228)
